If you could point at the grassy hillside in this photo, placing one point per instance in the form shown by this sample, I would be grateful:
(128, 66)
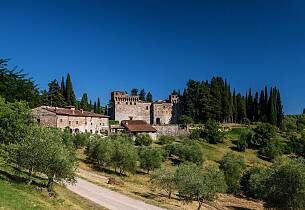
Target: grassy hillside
(138, 185)
(17, 195)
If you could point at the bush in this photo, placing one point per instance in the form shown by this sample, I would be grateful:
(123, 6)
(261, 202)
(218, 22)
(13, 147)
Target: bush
(190, 152)
(232, 166)
(263, 133)
(80, 140)
(285, 184)
(143, 140)
(273, 149)
(150, 158)
(253, 182)
(117, 152)
(166, 140)
(296, 145)
(244, 138)
(212, 132)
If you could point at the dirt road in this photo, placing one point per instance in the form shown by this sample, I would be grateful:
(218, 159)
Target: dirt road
(108, 198)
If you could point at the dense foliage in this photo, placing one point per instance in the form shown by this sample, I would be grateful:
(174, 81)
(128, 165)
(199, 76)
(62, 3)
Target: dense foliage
(203, 100)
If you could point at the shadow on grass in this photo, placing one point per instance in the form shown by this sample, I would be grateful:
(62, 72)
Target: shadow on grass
(16, 177)
(107, 170)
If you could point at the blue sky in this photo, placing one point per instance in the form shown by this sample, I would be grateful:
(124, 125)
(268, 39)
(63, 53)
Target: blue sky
(158, 45)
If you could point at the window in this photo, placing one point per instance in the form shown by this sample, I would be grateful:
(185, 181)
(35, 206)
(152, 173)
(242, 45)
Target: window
(76, 122)
(91, 123)
(69, 122)
(130, 103)
(90, 131)
(100, 123)
(126, 103)
(135, 103)
(86, 131)
(60, 120)
(130, 118)
(146, 107)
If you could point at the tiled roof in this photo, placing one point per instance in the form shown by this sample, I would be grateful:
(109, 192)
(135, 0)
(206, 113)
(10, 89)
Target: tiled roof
(71, 112)
(137, 126)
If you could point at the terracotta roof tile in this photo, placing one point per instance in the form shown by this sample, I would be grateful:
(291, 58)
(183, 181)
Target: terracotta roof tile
(137, 126)
(70, 112)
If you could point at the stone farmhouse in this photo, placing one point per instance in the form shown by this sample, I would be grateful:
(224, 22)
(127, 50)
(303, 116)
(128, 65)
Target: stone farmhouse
(76, 120)
(126, 107)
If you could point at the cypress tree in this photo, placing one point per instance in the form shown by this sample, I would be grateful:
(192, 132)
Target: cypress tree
(234, 108)
(54, 97)
(94, 107)
(90, 106)
(70, 96)
(262, 107)
(280, 114)
(149, 97)
(63, 87)
(250, 106)
(142, 95)
(134, 92)
(241, 107)
(272, 115)
(256, 107)
(98, 108)
(84, 102)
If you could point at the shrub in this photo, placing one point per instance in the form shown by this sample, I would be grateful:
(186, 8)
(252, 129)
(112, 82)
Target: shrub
(190, 152)
(212, 132)
(232, 166)
(273, 149)
(163, 140)
(143, 140)
(296, 145)
(244, 138)
(263, 133)
(80, 140)
(253, 182)
(150, 158)
(285, 184)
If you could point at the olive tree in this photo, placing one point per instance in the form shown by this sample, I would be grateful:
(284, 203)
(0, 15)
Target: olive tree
(164, 179)
(195, 183)
(150, 158)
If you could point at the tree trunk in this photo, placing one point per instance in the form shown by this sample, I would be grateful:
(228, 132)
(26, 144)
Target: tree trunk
(200, 204)
(50, 184)
(170, 194)
(30, 175)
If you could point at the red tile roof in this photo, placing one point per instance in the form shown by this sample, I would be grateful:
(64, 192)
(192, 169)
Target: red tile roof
(71, 112)
(137, 126)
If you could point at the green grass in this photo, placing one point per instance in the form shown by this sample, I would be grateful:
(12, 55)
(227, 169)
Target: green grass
(15, 194)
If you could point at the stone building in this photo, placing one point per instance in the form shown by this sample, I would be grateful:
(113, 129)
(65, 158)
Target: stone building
(76, 120)
(126, 107)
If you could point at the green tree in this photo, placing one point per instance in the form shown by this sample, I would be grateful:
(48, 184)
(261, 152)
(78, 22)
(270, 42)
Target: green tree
(15, 119)
(186, 152)
(124, 157)
(134, 92)
(143, 140)
(253, 182)
(273, 149)
(232, 166)
(99, 108)
(142, 95)
(70, 96)
(54, 97)
(212, 132)
(63, 87)
(165, 180)
(16, 86)
(149, 97)
(263, 133)
(199, 184)
(150, 158)
(285, 185)
(244, 138)
(84, 102)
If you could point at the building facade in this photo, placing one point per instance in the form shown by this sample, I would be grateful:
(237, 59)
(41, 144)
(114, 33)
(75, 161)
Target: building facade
(76, 120)
(126, 107)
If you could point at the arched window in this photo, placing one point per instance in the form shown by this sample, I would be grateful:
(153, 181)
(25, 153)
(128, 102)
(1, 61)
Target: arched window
(158, 121)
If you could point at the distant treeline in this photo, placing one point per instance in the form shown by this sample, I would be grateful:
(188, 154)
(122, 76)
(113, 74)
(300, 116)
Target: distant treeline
(15, 85)
(200, 101)
(203, 100)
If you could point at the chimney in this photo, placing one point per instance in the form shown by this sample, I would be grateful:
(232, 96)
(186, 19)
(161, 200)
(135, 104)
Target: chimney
(82, 111)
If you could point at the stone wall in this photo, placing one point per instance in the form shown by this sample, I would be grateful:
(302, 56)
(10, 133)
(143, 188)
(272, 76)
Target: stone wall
(44, 117)
(169, 130)
(132, 111)
(162, 113)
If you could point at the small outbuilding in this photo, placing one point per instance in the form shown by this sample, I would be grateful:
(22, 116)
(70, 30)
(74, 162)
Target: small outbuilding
(136, 127)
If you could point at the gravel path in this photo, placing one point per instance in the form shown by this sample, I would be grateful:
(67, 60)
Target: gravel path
(108, 198)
